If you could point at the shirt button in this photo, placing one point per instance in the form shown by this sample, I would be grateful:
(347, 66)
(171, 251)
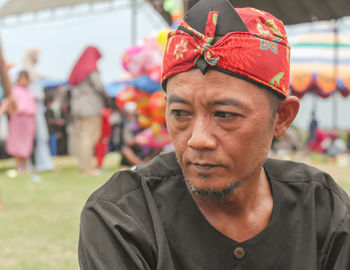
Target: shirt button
(239, 252)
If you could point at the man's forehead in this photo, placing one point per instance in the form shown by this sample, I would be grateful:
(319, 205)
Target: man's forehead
(216, 88)
(213, 79)
(228, 100)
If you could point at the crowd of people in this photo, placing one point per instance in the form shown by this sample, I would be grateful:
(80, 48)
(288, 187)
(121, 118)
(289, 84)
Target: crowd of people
(79, 119)
(329, 144)
(31, 151)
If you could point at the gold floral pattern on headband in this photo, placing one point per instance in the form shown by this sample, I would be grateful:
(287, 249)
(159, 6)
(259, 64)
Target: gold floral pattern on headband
(180, 49)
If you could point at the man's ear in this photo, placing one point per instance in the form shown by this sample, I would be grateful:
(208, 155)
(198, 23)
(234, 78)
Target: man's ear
(286, 113)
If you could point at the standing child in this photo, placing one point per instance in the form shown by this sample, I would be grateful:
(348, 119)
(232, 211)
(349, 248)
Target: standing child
(22, 123)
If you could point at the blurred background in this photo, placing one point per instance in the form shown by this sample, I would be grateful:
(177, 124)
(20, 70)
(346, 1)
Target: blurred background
(121, 42)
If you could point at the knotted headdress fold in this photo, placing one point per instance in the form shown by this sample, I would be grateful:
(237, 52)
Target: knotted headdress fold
(243, 42)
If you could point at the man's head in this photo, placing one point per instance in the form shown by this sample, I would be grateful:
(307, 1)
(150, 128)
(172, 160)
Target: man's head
(226, 77)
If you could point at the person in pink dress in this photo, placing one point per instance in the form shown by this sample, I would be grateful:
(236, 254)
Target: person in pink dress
(22, 123)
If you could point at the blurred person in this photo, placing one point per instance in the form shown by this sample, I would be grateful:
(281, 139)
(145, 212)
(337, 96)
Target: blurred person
(42, 157)
(312, 128)
(289, 143)
(5, 86)
(69, 127)
(348, 141)
(317, 144)
(61, 114)
(54, 124)
(132, 152)
(135, 154)
(116, 121)
(5, 91)
(87, 103)
(218, 201)
(22, 123)
(10, 107)
(3, 109)
(334, 145)
(101, 148)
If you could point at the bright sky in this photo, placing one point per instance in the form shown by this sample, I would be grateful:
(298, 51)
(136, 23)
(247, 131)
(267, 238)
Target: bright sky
(62, 40)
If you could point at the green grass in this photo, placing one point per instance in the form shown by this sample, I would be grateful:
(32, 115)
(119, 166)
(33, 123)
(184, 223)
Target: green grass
(39, 224)
(346, 186)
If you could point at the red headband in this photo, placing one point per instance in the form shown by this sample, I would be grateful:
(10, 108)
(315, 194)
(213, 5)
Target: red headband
(260, 55)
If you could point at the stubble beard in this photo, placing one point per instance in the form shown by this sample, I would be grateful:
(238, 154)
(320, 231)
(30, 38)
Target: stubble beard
(218, 194)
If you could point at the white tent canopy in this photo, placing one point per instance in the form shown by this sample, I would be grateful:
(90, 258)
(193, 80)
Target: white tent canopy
(17, 7)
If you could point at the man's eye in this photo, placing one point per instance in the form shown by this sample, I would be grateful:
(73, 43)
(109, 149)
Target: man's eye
(178, 113)
(225, 115)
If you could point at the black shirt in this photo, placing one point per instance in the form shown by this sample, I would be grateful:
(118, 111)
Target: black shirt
(146, 219)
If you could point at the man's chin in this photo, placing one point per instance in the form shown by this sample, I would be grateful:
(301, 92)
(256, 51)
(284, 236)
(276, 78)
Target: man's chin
(213, 193)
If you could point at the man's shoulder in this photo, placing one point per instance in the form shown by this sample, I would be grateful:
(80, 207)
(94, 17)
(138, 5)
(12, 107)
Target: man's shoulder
(163, 165)
(132, 182)
(287, 170)
(311, 178)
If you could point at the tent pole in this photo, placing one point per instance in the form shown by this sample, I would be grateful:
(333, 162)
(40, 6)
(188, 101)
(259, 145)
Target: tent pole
(133, 21)
(4, 78)
(335, 73)
(314, 101)
(335, 111)
(186, 4)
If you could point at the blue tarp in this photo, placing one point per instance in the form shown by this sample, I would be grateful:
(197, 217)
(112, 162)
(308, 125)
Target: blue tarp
(143, 83)
(52, 84)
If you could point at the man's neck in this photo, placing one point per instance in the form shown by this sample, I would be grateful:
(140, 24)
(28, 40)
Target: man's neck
(242, 214)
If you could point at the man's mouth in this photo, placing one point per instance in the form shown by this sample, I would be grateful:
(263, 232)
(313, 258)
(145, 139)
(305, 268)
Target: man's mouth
(204, 167)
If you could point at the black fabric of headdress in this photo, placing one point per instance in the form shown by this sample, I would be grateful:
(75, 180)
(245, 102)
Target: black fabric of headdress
(228, 21)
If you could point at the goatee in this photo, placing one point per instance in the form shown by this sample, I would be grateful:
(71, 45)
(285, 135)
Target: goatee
(213, 193)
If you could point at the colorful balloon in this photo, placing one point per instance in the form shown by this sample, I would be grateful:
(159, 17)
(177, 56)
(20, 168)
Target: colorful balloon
(144, 121)
(142, 101)
(128, 94)
(162, 39)
(157, 107)
(147, 138)
(133, 61)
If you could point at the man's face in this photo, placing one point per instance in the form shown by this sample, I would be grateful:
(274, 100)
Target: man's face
(221, 127)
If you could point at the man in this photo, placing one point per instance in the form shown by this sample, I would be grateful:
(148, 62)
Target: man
(219, 203)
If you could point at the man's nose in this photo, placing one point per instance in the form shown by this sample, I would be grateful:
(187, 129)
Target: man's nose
(202, 136)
